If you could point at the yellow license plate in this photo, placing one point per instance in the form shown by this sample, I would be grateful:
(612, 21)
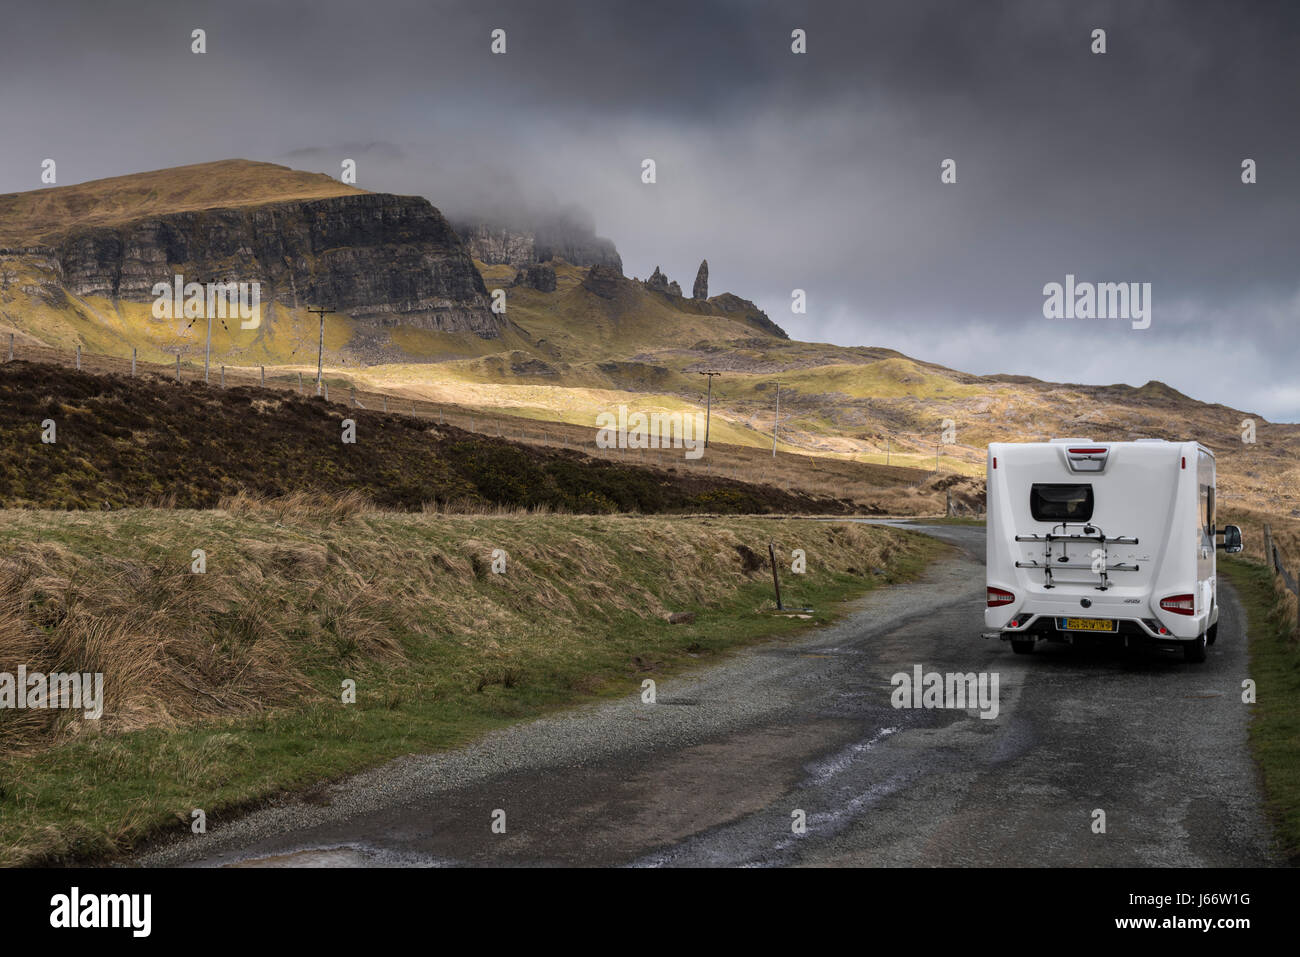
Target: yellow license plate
(1087, 624)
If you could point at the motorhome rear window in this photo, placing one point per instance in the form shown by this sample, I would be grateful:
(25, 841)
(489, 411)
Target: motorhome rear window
(1061, 503)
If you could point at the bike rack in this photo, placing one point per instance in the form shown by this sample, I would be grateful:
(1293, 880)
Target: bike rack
(1091, 533)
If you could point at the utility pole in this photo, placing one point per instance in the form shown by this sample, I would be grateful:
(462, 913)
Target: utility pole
(320, 348)
(776, 419)
(708, 408)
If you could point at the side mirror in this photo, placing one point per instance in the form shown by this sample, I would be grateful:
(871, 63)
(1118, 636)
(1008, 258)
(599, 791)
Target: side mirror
(1231, 539)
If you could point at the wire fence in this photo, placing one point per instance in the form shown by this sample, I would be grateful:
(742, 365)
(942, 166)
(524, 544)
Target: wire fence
(1277, 563)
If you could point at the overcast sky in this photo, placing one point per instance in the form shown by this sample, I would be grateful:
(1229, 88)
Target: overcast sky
(818, 171)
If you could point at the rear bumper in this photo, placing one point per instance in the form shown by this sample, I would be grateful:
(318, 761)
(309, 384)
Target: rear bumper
(1048, 627)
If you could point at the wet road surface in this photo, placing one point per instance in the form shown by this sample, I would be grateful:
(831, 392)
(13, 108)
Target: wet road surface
(722, 767)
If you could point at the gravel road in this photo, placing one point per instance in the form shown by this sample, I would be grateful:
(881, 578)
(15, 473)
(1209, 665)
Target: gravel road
(721, 767)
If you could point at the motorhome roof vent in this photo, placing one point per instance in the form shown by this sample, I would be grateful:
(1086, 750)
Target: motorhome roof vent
(1065, 441)
(1086, 457)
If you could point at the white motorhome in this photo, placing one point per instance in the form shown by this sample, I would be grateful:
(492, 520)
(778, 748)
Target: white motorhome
(1109, 539)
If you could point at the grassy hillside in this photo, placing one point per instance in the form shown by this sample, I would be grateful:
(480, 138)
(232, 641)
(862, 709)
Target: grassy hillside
(224, 688)
(40, 216)
(128, 442)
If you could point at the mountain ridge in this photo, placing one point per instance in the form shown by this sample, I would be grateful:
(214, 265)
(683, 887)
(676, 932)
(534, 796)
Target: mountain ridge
(571, 341)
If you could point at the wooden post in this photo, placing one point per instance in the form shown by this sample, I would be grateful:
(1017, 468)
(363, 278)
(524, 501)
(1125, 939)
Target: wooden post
(223, 377)
(133, 362)
(776, 421)
(385, 403)
(78, 356)
(326, 387)
(1268, 547)
(11, 347)
(776, 580)
(300, 383)
(178, 367)
(263, 377)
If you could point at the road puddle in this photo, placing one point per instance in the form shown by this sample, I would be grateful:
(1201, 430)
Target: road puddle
(347, 855)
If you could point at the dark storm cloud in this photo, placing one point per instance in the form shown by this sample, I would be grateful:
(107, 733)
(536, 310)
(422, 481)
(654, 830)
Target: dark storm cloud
(819, 171)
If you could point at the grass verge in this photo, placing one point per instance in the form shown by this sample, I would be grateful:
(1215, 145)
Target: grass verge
(1275, 668)
(223, 689)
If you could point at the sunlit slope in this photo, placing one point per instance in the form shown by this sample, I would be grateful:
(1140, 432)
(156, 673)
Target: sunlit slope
(39, 216)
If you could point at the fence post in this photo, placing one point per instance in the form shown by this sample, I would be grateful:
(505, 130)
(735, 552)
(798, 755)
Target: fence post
(133, 362)
(178, 367)
(223, 377)
(300, 383)
(11, 347)
(1268, 547)
(263, 377)
(776, 581)
(78, 356)
(385, 403)
(326, 386)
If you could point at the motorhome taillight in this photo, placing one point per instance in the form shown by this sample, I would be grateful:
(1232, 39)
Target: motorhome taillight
(999, 596)
(1179, 604)
(1087, 451)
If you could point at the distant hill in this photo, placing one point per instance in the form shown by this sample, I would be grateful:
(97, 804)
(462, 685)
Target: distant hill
(81, 262)
(43, 215)
(411, 313)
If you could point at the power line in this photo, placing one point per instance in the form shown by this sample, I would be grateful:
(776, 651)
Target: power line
(708, 408)
(320, 349)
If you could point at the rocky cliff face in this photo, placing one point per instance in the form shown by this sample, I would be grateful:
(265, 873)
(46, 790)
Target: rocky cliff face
(732, 305)
(392, 260)
(605, 281)
(539, 276)
(658, 282)
(539, 241)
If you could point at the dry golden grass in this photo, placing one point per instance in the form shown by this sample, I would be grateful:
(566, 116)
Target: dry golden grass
(37, 215)
(302, 586)
(1286, 538)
